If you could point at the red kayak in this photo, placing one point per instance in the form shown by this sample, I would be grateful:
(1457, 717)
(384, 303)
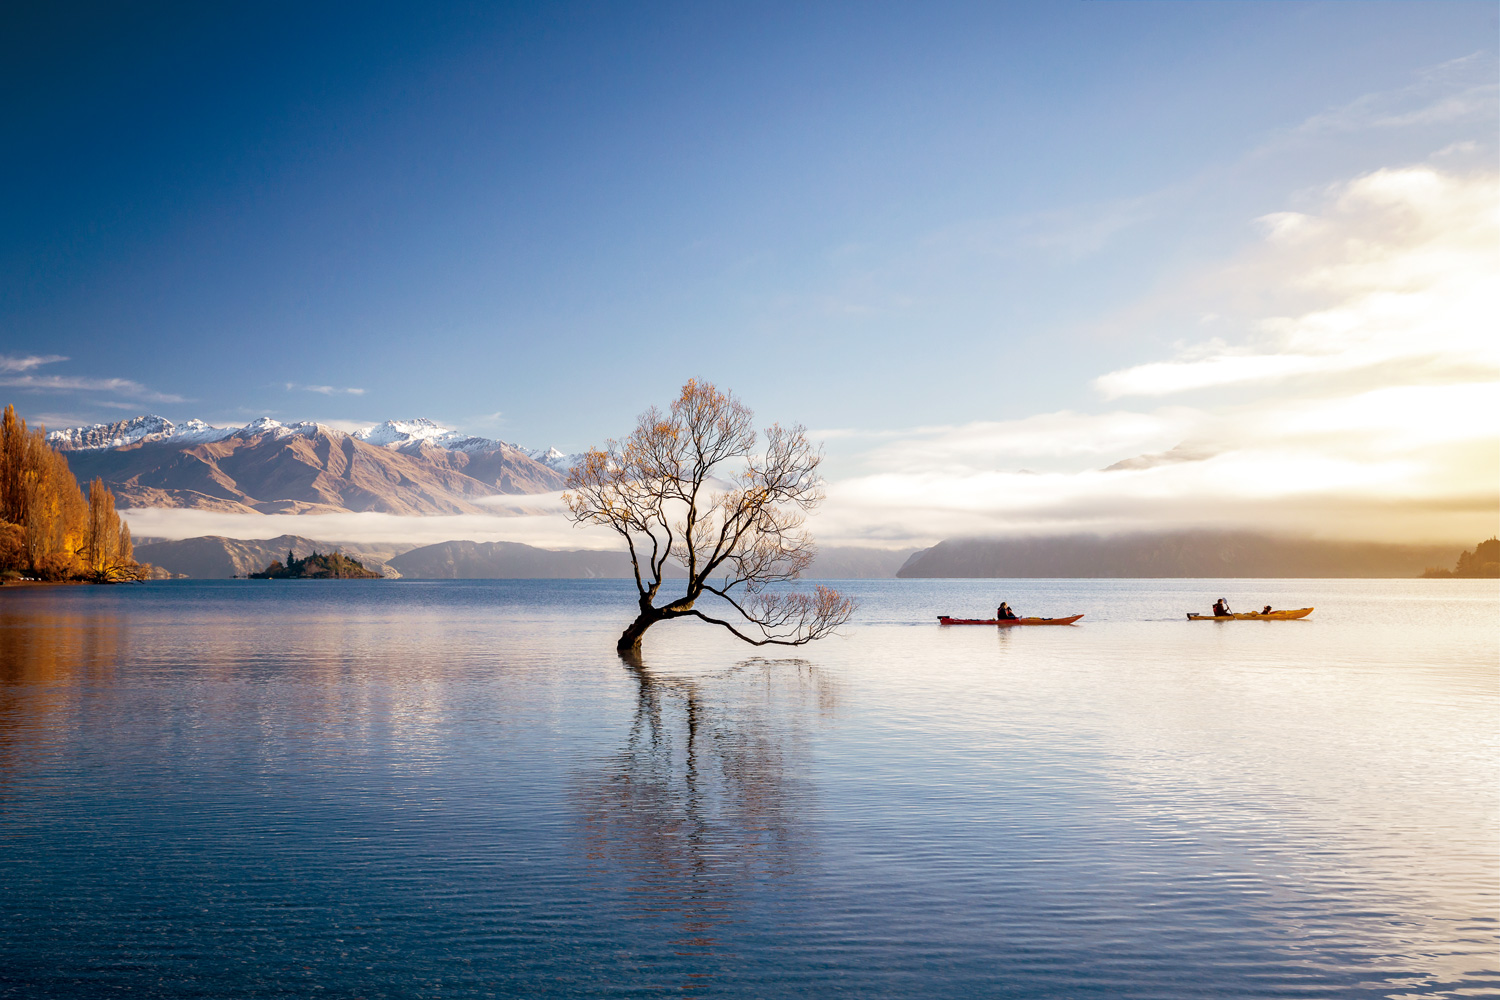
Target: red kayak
(945, 620)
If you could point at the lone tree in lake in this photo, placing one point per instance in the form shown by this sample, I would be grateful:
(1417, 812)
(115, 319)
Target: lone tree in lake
(690, 485)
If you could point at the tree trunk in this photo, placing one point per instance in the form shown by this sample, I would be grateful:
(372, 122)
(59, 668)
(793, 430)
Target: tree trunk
(630, 639)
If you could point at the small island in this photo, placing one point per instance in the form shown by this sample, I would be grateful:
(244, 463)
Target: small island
(328, 566)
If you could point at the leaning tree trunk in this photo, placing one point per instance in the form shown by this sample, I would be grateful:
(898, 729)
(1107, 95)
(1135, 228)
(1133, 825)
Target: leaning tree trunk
(630, 639)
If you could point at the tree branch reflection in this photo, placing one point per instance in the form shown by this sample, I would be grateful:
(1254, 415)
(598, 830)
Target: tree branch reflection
(704, 805)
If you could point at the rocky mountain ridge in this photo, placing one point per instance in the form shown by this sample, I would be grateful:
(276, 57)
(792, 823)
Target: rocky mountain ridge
(399, 435)
(398, 467)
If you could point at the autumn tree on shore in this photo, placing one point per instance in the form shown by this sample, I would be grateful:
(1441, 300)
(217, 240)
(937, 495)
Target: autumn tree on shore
(690, 485)
(47, 528)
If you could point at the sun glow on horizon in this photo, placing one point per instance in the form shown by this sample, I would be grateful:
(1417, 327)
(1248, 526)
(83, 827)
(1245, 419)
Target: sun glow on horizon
(1367, 409)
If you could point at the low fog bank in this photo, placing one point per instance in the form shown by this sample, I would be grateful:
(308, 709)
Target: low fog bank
(545, 530)
(1194, 554)
(549, 547)
(217, 557)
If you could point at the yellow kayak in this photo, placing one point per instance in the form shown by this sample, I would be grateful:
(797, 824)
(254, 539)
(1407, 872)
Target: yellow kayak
(1274, 616)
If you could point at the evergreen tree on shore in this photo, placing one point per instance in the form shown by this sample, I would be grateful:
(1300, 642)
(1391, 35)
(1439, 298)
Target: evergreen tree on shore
(1482, 563)
(330, 566)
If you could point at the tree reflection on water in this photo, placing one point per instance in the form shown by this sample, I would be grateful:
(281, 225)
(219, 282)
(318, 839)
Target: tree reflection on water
(45, 659)
(706, 802)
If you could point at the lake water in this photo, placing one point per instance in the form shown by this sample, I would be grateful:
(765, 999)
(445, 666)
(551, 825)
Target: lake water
(456, 789)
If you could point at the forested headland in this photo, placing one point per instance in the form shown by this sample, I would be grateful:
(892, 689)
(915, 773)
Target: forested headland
(48, 529)
(1482, 563)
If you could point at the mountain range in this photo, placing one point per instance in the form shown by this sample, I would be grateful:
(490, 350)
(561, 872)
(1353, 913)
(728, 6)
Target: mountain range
(396, 467)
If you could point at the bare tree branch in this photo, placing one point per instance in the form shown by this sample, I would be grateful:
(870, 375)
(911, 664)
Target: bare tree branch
(690, 484)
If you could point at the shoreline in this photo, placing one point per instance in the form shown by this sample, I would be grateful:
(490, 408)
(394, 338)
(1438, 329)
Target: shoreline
(7, 584)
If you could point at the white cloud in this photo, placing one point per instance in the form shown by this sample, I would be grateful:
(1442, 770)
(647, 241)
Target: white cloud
(13, 369)
(1459, 90)
(324, 390)
(1411, 463)
(26, 362)
(81, 383)
(1398, 271)
(1061, 439)
(1367, 402)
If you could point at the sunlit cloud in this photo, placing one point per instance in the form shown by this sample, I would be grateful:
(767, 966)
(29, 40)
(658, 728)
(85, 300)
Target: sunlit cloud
(1064, 439)
(1401, 265)
(1420, 490)
(1368, 411)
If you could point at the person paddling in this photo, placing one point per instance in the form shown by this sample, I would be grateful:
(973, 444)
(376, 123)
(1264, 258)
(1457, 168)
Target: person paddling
(1221, 608)
(1004, 612)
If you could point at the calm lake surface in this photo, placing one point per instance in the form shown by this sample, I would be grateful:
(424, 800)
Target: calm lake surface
(456, 789)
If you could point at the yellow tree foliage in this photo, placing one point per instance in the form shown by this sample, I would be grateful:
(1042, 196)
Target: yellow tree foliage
(47, 528)
(692, 485)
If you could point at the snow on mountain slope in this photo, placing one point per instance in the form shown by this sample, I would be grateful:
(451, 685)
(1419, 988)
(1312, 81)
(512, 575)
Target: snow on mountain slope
(403, 434)
(136, 430)
(400, 434)
(396, 435)
(277, 429)
(554, 459)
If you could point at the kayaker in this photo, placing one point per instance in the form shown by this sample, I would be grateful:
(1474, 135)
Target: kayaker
(1221, 608)
(1266, 610)
(1004, 611)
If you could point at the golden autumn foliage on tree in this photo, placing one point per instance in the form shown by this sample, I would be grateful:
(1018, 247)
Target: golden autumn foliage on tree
(693, 485)
(48, 529)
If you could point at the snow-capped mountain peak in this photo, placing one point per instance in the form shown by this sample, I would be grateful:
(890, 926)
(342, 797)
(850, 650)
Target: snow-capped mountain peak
(146, 429)
(276, 429)
(399, 434)
(403, 435)
(554, 459)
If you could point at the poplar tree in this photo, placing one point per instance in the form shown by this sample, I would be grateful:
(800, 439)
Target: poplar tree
(47, 528)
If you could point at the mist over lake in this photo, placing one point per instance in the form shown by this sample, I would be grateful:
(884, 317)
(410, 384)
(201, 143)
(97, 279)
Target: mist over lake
(456, 788)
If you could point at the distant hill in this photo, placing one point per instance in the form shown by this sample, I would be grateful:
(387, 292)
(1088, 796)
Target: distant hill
(462, 560)
(214, 557)
(274, 468)
(1179, 554)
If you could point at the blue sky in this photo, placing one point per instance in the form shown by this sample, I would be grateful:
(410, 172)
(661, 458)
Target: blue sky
(531, 221)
